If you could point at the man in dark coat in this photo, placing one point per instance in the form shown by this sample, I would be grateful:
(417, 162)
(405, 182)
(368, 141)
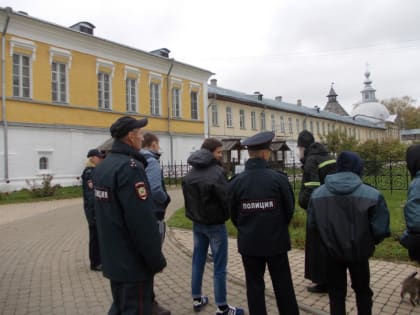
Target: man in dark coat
(205, 195)
(94, 157)
(351, 218)
(312, 155)
(128, 235)
(262, 204)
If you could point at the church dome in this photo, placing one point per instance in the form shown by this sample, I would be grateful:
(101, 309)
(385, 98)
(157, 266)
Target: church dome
(371, 110)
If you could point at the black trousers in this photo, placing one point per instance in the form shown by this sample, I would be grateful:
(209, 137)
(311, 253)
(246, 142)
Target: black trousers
(131, 298)
(337, 286)
(94, 253)
(279, 269)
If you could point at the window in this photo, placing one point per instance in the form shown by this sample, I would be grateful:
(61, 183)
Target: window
(329, 128)
(176, 103)
(131, 77)
(131, 95)
(253, 121)
(290, 126)
(22, 66)
(242, 119)
(21, 76)
(282, 128)
(304, 124)
(297, 125)
(311, 126)
(105, 72)
(43, 163)
(317, 128)
(104, 91)
(263, 121)
(229, 117)
(214, 115)
(323, 128)
(194, 105)
(154, 99)
(59, 82)
(273, 123)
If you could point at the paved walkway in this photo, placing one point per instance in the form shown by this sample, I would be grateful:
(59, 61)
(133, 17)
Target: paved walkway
(44, 268)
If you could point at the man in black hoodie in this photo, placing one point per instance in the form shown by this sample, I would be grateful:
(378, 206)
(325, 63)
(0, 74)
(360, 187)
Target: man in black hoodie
(205, 195)
(315, 160)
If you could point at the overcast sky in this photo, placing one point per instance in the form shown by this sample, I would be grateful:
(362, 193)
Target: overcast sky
(289, 48)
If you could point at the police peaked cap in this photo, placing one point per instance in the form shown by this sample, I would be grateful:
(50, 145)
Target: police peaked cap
(259, 141)
(124, 125)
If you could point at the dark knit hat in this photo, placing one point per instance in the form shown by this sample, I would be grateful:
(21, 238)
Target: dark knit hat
(348, 161)
(96, 152)
(305, 139)
(124, 125)
(412, 157)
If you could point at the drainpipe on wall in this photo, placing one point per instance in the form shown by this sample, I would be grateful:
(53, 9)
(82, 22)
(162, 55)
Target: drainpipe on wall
(3, 96)
(171, 140)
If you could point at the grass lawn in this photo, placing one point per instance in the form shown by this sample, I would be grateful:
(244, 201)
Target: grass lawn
(25, 195)
(389, 249)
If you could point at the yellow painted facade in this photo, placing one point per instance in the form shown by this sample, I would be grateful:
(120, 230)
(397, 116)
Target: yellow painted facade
(81, 108)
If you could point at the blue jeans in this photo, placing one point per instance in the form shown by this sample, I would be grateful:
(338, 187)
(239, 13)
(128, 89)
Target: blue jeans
(216, 237)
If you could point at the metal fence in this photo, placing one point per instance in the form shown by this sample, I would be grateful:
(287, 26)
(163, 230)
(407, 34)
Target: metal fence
(388, 175)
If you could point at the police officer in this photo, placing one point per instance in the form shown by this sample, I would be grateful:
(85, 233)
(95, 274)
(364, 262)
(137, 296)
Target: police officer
(94, 157)
(128, 235)
(261, 202)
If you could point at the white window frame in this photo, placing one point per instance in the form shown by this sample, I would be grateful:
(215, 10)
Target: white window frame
(57, 82)
(104, 68)
(297, 125)
(195, 88)
(290, 120)
(20, 76)
(262, 121)
(176, 102)
(282, 127)
(61, 56)
(194, 105)
(29, 49)
(155, 89)
(214, 115)
(48, 154)
(253, 120)
(131, 78)
(242, 119)
(229, 118)
(273, 123)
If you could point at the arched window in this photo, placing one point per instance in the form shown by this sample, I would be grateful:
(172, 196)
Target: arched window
(43, 163)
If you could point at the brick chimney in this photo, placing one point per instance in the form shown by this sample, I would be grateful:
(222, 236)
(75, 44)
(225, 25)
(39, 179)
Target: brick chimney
(299, 102)
(279, 98)
(213, 82)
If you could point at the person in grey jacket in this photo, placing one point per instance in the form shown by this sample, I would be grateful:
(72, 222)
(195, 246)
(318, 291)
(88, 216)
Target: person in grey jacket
(411, 237)
(351, 218)
(160, 197)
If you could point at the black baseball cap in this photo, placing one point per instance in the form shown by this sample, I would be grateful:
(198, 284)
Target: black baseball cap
(124, 125)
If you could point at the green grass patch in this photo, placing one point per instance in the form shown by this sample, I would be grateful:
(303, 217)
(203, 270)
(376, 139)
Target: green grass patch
(25, 195)
(389, 249)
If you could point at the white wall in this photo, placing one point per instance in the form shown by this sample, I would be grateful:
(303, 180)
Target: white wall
(66, 150)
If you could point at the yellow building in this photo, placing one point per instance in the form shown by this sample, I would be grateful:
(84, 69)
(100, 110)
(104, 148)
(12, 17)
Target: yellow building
(234, 114)
(62, 87)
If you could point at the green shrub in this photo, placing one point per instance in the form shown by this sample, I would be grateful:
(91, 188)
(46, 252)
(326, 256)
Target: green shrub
(45, 189)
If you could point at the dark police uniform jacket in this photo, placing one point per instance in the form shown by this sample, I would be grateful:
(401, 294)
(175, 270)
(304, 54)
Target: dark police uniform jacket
(128, 235)
(261, 202)
(88, 196)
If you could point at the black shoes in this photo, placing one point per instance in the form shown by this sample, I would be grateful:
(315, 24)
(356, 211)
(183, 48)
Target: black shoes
(96, 268)
(318, 288)
(157, 309)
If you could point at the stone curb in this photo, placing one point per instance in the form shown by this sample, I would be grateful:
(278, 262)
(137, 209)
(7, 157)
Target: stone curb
(230, 277)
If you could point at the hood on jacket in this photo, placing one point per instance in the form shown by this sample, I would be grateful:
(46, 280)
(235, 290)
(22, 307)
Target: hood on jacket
(202, 158)
(343, 183)
(315, 148)
(413, 159)
(148, 153)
